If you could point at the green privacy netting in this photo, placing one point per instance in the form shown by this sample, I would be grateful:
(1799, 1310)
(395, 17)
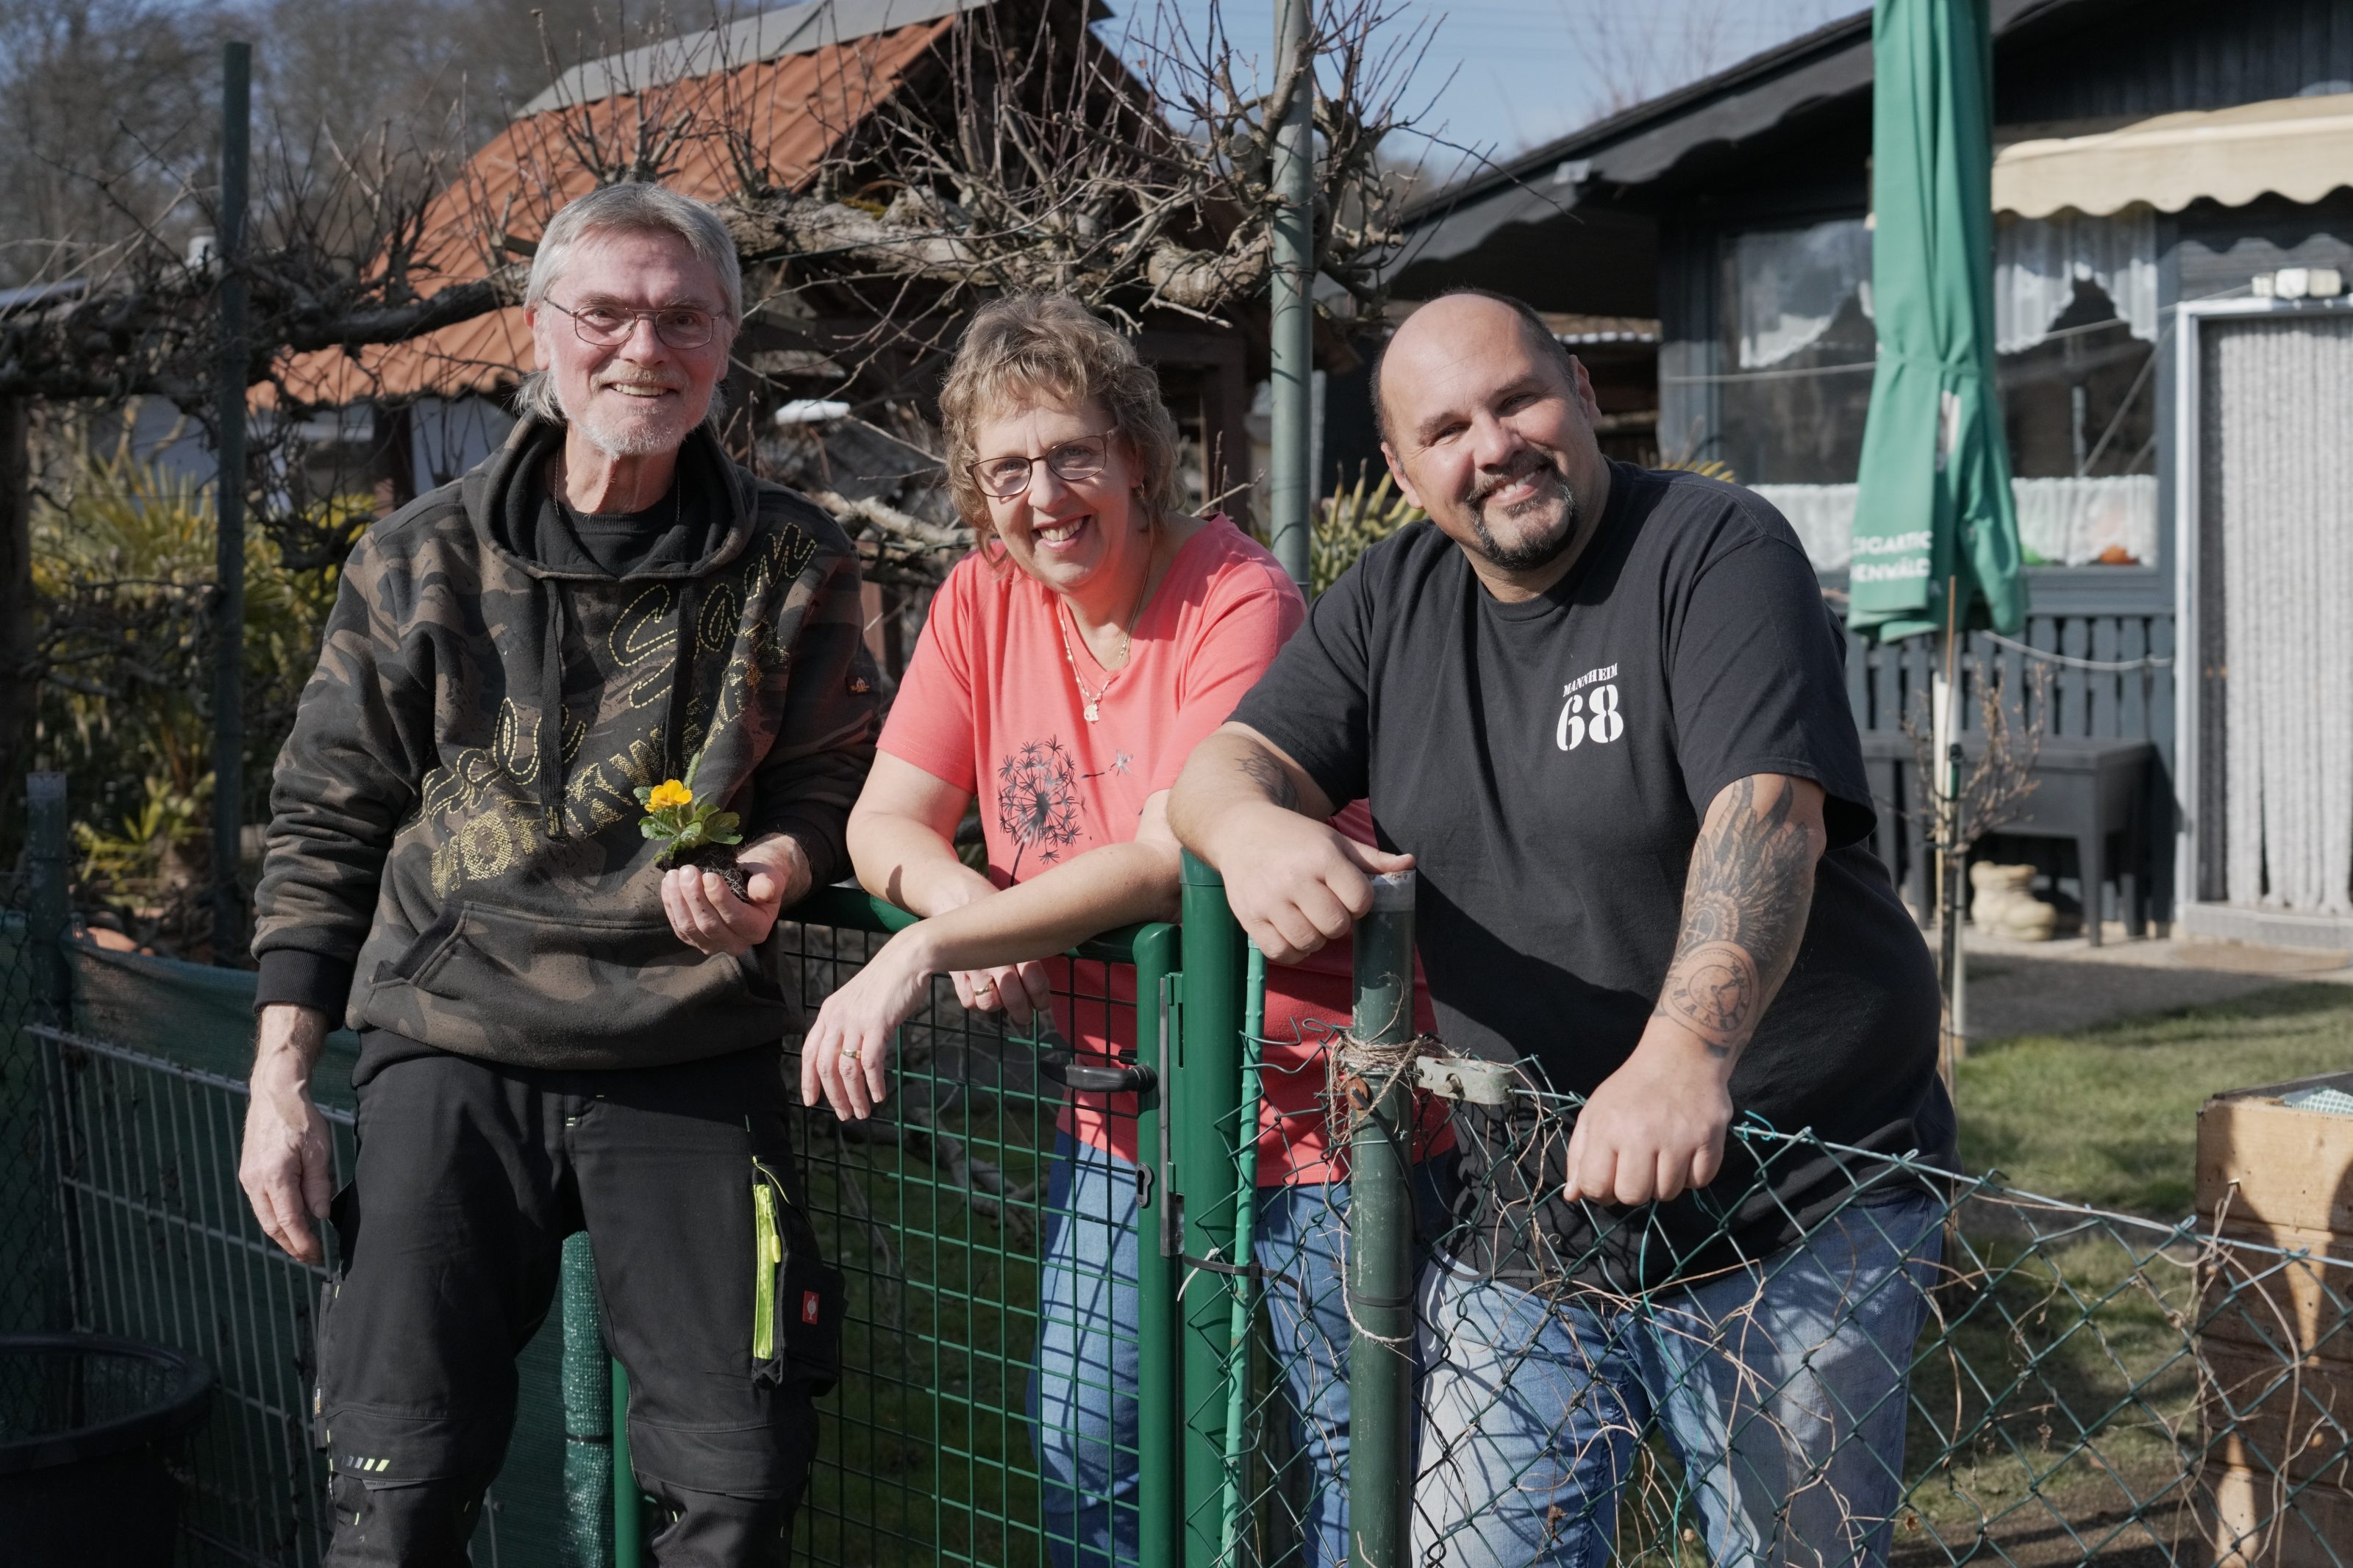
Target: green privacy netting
(936, 1213)
(164, 1252)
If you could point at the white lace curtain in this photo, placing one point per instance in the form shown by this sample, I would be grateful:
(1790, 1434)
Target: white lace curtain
(2062, 521)
(2037, 262)
(1792, 283)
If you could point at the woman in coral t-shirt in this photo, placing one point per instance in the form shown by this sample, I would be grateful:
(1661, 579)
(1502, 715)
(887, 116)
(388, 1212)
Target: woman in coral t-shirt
(1067, 669)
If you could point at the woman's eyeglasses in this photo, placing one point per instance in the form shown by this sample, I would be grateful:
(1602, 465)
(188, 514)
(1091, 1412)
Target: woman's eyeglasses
(1002, 478)
(603, 325)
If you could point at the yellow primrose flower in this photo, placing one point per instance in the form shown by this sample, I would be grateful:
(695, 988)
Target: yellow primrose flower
(669, 791)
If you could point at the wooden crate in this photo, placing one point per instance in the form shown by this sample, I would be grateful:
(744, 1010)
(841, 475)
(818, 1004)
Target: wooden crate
(2274, 1335)
(2262, 1522)
(2286, 1308)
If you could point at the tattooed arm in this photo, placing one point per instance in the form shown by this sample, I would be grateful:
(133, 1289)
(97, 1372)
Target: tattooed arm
(1656, 1126)
(1249, 809)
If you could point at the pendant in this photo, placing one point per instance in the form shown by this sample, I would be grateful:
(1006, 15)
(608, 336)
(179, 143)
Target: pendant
(1094, 714)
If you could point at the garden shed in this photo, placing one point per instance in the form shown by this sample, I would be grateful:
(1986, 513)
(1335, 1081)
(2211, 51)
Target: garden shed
(2173, 185)
(782, 99)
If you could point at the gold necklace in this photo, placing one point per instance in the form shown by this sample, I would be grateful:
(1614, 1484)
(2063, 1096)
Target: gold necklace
(1090, 700)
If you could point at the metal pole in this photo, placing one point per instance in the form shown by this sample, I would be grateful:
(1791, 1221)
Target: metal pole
(585, 1539)
(50, 985)
(1292, 325)
(1238, 1315)
(1379, 1078)
(228, 569)
(44, 861)
(628, 1502)
(1204, 1078)
(1160, 1425)
(1957, 910)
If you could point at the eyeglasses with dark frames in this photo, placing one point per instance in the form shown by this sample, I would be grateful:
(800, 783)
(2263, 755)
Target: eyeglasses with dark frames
(1002, 478)
(602, 324)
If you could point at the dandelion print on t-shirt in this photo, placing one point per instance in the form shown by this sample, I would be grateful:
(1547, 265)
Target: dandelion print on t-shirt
(1038, 801)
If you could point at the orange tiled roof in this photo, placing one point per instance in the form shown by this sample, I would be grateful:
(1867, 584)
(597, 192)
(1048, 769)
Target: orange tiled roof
(787, 112)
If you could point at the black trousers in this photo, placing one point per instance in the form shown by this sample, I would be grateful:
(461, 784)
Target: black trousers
(470, 1174)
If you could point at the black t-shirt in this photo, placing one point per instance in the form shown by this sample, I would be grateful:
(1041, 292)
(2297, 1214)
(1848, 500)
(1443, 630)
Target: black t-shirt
(623, 542)
(1548, 763)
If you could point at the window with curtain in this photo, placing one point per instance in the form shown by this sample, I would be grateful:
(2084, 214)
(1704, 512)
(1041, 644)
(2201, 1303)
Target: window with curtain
(2075, 318)
(1800, 345)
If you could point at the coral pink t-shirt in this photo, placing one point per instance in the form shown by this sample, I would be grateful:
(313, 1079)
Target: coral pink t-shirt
(990, 706)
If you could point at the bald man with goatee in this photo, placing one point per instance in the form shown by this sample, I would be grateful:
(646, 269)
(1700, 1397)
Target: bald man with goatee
(1603, 711)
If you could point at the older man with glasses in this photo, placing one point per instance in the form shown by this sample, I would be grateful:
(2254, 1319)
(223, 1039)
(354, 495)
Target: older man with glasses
(557, 1032)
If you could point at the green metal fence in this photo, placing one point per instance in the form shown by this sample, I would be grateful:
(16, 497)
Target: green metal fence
(2082, 1387)
(122, 1088)
(936, 1210)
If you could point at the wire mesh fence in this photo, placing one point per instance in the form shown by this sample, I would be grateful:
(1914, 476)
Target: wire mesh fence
(998, 1345)
(159, 1246)
(978, 1253)
(32, 991)
(1940, 1371)
(1064, 1353)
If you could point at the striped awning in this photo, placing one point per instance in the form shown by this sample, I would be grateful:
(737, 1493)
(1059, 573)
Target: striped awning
(2300, 148)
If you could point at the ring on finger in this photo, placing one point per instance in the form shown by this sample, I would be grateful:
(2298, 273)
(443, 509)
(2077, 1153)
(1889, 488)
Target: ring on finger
(850, 1053)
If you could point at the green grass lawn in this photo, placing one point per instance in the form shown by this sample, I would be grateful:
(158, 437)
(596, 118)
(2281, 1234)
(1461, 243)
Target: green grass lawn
(2055, 1414)
(2109, 1116)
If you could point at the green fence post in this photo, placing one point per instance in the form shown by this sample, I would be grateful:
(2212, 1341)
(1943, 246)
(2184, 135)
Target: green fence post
(628, 1500)
(1160, 1436)
(49, 992)
(1206, 1078)
(45, 929)
(1234, 1510)
(1379, 1077)
(230, 391)
(586, 1539)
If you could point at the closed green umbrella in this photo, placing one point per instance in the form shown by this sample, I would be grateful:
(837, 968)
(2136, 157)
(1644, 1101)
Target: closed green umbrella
(1933, 503)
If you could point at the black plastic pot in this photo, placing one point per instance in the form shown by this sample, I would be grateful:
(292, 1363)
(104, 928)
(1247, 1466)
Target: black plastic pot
(88, 1427)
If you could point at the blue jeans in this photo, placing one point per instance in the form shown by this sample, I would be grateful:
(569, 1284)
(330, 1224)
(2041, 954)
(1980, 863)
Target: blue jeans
(1082, 1405)
(1781, 1388)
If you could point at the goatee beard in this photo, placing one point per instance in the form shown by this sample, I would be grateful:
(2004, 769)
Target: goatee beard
(1532, 553)
(639, 437)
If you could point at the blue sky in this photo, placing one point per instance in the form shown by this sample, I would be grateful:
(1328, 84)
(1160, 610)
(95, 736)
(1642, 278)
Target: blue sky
(1510, 74)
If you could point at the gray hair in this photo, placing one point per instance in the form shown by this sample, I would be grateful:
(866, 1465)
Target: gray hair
(632, 208)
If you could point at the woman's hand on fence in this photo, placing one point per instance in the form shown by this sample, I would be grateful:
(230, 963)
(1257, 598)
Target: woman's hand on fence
(286, 1166)
(1017, 990)
(710, 919)
(846, 1056)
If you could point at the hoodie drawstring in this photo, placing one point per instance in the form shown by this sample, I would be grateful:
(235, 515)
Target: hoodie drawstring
(681, 686)
(551, 717)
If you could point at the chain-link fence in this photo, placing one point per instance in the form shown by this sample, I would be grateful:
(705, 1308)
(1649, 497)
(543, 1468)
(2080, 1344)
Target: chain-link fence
(1833, 1357)
(1941, 1371)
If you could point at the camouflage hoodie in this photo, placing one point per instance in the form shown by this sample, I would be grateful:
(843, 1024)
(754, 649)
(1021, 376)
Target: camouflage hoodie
(453, 834)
